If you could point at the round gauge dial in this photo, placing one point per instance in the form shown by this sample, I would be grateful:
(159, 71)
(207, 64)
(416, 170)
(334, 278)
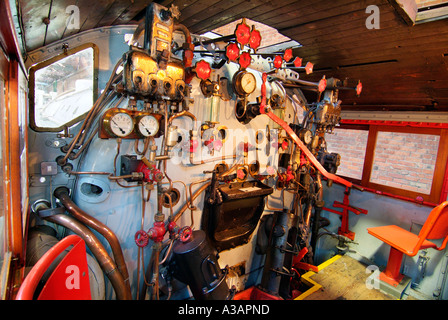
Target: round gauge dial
(306, 136)
(245, 83)
(148, 126)
(248, 82)
(120, 124)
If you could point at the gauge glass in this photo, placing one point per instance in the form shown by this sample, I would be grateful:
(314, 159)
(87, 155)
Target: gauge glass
(121, 124)
(248, 82)
(307, 136)
(148, 126)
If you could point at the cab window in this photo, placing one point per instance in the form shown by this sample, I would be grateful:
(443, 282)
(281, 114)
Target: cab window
(62, 89)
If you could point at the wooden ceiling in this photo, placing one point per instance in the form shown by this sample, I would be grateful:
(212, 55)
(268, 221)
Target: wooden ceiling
(402, 67)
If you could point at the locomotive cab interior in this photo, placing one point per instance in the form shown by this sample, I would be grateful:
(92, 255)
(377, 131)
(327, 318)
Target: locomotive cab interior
(228, 150)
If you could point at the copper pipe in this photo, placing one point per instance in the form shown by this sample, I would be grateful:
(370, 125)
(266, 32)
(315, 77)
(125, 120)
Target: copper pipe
(181, 114)
(105, 261)
(62, 194)
(155, 273)
(200, 190)
(194, 196)
(190, 46)
(91, 112)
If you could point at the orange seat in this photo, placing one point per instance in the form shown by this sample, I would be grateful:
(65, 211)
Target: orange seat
(405, 242)
(68, 281)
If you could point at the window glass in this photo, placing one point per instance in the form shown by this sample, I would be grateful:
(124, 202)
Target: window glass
(63, 90)
(405, 160)
(351, 145)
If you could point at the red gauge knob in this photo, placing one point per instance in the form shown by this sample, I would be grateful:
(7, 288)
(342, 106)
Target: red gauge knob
(255, 39)
(245, 60)
(232, 51)
(287, 55)
(278, 62)
(322, 84)
(242, 33)
(297, 62)
(359, 88)
(309, 68)
(203, 70)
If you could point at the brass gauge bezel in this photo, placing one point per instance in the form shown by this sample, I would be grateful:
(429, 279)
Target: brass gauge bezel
(107, 122)
(238, 83)
(139, 119)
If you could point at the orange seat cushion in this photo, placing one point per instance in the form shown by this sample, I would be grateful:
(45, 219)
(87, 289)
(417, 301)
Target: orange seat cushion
(399, 238)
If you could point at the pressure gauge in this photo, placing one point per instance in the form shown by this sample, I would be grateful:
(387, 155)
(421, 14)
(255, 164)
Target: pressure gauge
(244, 83)
(118, 123)
(147, 125)
(306, 136)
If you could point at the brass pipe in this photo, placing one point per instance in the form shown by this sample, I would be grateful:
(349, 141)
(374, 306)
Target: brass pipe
(193, 197)
(155, 274)
(62, 194)
(91, 112)
(105, 261)
(181, 114)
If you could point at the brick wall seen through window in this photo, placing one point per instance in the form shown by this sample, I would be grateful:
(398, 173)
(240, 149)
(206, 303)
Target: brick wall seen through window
(405, 160)
(351, 145)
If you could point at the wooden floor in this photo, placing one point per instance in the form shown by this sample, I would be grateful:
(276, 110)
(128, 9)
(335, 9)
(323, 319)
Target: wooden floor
(343, 279)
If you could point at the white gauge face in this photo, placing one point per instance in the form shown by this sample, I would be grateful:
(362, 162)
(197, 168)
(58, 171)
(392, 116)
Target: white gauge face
(121, 124)
(307, 136)
(248, 82)
(148, 126)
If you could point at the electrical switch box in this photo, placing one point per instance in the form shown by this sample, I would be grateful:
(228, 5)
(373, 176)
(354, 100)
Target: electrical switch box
(48, 168)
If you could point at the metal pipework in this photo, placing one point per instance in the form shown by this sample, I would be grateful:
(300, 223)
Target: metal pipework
(62, 193)
(105, 261)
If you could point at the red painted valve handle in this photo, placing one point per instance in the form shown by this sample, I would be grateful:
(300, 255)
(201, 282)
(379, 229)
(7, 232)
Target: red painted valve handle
(185, 234)
(141, 238)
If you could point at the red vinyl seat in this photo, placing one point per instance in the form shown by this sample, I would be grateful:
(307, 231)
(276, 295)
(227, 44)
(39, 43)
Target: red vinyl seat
(68, 281)
(405, 242)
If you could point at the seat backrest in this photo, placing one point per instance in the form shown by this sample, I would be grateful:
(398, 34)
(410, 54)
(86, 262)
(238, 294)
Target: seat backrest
(69, 280)
(436, 225)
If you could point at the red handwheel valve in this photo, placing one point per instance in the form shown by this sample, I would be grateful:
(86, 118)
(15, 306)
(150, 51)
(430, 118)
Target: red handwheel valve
(185, 234)
(141, 238)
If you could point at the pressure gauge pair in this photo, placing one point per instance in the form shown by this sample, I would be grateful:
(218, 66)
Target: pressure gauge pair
(121, 123)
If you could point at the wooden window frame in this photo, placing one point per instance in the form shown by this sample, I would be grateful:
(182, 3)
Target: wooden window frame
(438, 192)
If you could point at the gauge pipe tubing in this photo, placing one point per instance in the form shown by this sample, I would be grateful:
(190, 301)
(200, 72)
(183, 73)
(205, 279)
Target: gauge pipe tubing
(200, 190)
(91, 113)
(193, 119)
(188, 47)
(62, 193)
(105, 261)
